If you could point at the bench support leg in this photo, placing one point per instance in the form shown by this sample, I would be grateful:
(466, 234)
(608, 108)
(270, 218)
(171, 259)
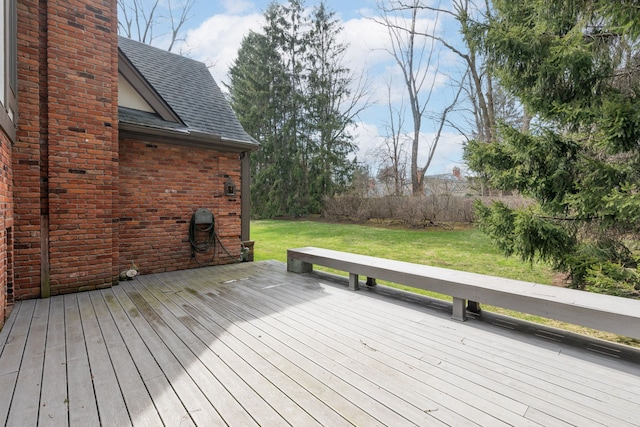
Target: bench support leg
(354, 283)
(297, 266)
(371, 281)
(459, 309)
(474, 307)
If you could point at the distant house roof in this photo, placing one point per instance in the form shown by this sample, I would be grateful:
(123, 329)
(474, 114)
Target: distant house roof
(444, 177)
(186, 101)
(449, 183)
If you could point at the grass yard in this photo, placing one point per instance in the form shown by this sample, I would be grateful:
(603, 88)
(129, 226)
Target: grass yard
(465, 249)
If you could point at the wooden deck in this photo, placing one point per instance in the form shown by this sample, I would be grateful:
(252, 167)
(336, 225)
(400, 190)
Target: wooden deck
(250, 344)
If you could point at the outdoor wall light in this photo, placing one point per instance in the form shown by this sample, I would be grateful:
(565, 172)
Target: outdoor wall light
(229, 187)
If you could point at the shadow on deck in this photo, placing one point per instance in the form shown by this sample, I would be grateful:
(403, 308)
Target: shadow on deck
(250, 344)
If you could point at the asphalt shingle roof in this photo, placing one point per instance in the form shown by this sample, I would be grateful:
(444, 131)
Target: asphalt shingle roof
(187, 87)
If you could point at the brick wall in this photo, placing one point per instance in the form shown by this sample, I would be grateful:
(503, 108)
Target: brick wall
(6, 224)
(29, 151)
(85, 205)
(82, 42)
(160, 187)
(66, 153)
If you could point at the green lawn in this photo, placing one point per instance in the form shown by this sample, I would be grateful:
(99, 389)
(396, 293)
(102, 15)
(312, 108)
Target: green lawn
(464, 249)
(460, 249)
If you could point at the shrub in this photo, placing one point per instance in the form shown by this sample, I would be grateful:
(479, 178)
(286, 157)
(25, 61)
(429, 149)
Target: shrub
(613, 279)
(411, 211)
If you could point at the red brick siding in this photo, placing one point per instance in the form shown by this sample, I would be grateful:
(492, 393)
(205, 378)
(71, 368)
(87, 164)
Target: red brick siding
(115, 232)
(161, 186)
(6, 223)
(29, 151)
(81, 212)
(81, 40)
(66, 153)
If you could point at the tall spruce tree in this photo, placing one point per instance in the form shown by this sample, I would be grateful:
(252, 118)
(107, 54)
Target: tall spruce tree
(329, 110)
(575, 65)
(259, 89)
(289, 89)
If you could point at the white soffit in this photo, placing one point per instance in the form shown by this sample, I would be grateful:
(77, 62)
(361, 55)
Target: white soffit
(130, 98)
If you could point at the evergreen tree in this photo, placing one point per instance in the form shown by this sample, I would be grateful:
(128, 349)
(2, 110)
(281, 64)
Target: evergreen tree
(328, 91)
(574, 64)
(289, 90)
(258, 90)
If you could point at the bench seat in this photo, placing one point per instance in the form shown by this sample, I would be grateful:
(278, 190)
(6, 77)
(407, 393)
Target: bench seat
(602, 312)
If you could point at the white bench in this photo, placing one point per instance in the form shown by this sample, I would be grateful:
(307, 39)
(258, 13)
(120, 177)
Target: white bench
(602, 312)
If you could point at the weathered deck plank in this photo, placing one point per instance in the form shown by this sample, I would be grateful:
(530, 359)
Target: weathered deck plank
(53, 404)
(251, 344)
(267, 403)
(12, 353)
(139, 405)
(167, 403)
(363, 356)
(108, 393)
(389, 402)
(491, 363)
(30, 375)
(191, 396)
(81, 400)
(294, 365)
(4, 332)
(234, 398)
(292, 400)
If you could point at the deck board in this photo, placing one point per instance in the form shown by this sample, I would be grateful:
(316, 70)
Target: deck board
(390, 389)
(80, 398)
(134, 392)
(309, 375)
(241, 397)
(30, 374)
(198, 406)
(250, 344)
(4, 332)
(12, 355)
(53, 408)
(491, 363)
(260, 363)
(165, 400)
(268, 403)
(600, 407)
(395, 367)
(112, 409)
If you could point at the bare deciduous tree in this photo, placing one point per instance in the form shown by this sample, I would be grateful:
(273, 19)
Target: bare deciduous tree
(391, 153)
(490, 104)
(150, 20)
(418, 58)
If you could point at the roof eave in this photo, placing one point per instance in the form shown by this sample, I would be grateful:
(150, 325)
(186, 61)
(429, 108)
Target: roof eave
(184, 137)
(128, 71)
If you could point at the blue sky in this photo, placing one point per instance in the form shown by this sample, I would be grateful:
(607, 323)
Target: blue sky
(217, 27)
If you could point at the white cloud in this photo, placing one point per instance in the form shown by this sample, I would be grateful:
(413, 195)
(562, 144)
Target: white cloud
(367, 137)
(367, 42)
(236, 7)
(448, 152)
(217, 40)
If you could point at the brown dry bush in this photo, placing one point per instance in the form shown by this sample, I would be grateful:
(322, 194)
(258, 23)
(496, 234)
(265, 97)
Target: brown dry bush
(411, 211)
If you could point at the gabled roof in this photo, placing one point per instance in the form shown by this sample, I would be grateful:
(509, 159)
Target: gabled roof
(187, 101)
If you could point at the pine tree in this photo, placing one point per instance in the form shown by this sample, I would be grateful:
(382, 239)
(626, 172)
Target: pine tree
(258, 91)
(328, 91)
(289, 90)
(575, 65)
